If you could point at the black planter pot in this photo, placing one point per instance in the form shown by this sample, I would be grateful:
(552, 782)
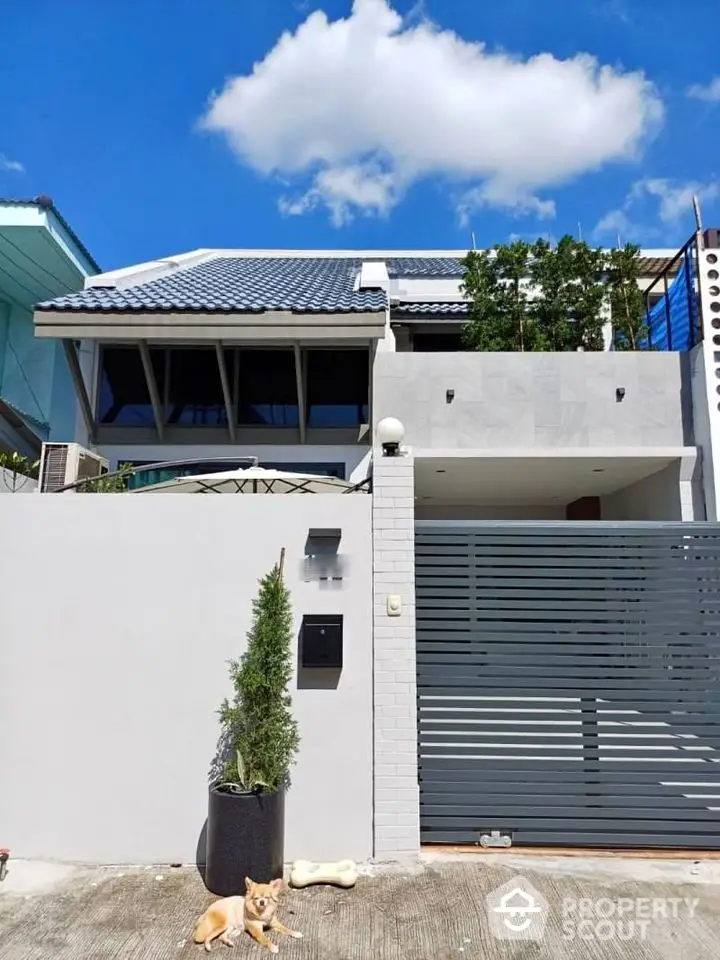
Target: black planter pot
(245, 838)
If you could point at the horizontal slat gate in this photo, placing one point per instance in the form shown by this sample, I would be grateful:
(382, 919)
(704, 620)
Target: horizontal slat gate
(569, 683)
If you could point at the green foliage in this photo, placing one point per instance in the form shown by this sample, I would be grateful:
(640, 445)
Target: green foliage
(588, 296)
(486, 330)
(535, 297)
(116, 482)
(496, 283)
(260, 731)
(627, 302)
(17, 470)
(568, 295)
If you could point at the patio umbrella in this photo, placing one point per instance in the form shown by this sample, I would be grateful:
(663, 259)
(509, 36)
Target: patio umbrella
(251, 480)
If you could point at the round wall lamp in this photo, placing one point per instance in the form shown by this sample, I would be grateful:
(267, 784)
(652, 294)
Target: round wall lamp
(390, 434)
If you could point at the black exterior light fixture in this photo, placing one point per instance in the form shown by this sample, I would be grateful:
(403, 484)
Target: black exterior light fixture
(619, 394)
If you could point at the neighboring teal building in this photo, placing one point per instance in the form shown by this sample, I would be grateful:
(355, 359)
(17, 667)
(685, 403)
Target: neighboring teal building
(40, 257)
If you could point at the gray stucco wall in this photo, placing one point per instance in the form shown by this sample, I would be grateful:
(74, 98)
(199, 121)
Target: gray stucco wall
(673, 493)
(535, 399)
(657, 497)
(112, 673)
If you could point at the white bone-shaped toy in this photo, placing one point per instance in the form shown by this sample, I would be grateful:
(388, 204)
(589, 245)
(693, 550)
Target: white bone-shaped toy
(341, 873)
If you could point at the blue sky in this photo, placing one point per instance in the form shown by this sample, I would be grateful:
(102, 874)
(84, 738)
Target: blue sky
(160, 127)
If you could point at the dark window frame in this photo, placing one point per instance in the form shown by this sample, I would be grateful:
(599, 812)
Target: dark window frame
(233, 362)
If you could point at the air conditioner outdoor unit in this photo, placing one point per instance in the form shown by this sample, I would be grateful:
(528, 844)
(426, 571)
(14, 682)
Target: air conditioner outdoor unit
(64, 463)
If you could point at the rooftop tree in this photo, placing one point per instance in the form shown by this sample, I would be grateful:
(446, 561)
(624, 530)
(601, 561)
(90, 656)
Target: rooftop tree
(627, 302)
(496, 283)
(535, 297)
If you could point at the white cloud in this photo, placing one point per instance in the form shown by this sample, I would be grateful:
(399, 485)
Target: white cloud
(616, 222)
(520, 203)
(364, 185)
(356, 110)
(675, 199)
(11, 166)
(671, 208)
(709, 92)
(531, 237)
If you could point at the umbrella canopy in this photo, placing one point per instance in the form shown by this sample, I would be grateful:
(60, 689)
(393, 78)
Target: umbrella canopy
(251, 480)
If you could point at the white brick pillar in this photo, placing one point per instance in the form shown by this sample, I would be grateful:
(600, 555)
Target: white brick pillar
(397, 804)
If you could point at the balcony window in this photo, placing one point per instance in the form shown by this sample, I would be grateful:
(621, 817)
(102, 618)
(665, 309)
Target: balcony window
(197, 467)
(267, 389)
(124, 398)
(338, 383)
(195, 396)
(262, 382)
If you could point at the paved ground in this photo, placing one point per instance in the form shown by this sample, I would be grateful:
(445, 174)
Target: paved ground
(435, 911)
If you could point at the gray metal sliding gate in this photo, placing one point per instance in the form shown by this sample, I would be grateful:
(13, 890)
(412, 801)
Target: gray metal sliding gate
(569, 683)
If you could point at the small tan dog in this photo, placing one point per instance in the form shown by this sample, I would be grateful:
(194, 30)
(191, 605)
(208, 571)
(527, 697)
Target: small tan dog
(254, 912)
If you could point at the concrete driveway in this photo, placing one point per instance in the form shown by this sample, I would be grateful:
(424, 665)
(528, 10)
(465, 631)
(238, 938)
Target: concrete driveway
(596, 908)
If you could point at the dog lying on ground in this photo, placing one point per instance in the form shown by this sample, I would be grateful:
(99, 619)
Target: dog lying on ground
(255, 912)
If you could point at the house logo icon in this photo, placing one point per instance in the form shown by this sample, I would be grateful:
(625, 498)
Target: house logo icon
(517, 911)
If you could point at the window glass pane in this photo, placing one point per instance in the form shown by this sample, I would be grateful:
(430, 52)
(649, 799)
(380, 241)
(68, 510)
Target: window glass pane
(180, 468)
(267, 390)
(183, 469)
(337, 387)
(317, 469)
(124, 397)
(195, 396)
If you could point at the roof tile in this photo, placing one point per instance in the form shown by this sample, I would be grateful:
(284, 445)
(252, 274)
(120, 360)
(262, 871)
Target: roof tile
(238, 285)
(241, 284)
(435, 309)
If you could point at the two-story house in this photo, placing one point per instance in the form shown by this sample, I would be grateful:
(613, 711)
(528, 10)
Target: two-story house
(532, 658)
(290, 356)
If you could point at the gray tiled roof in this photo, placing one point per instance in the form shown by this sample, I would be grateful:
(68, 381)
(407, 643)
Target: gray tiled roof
(243, 284)
(435, 309)
(238, 285)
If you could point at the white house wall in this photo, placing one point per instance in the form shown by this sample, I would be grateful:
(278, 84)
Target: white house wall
(105, 751)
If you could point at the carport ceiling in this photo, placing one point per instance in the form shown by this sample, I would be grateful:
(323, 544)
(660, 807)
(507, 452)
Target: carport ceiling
(528, 480)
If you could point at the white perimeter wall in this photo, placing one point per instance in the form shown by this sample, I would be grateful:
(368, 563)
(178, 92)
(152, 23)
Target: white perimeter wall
(112, 670)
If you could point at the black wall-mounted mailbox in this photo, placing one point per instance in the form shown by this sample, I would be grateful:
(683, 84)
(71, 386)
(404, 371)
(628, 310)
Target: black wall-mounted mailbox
(321, 640)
